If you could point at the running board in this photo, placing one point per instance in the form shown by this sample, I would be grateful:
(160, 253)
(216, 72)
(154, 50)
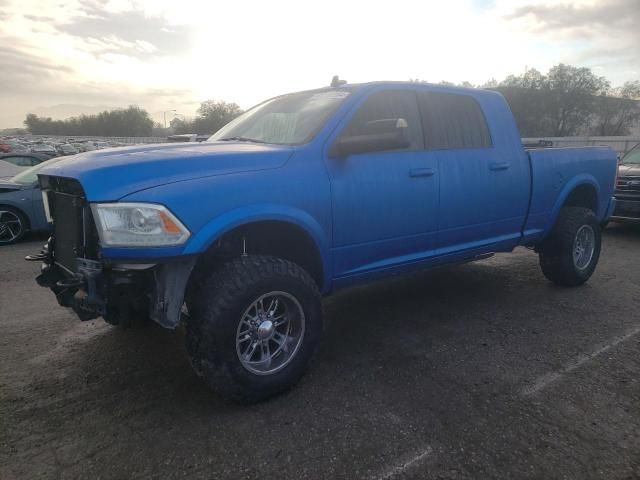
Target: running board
(482, 256)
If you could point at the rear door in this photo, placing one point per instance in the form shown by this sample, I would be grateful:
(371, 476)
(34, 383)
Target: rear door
(384, 202)
(484, 188)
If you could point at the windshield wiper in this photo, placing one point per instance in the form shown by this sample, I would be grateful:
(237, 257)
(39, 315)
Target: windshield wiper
(240, 139)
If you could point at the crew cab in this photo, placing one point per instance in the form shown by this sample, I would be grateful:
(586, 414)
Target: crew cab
(303, 195)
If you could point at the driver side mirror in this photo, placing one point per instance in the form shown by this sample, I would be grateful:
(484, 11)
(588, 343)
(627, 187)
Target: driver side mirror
(377, 136)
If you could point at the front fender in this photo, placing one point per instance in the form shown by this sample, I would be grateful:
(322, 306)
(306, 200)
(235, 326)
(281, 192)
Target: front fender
(232, 219)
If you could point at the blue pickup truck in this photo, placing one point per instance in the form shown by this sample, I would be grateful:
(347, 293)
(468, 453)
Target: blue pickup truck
(300, 196)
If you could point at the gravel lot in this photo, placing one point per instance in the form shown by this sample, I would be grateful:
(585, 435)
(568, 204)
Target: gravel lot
(483, 370)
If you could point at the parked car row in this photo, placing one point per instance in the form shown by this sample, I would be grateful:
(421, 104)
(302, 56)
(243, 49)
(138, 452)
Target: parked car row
(52, 146)
(17, 153)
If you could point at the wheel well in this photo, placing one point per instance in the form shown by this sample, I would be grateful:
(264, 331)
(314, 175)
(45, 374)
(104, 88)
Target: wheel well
(275, 238)
(583, 196)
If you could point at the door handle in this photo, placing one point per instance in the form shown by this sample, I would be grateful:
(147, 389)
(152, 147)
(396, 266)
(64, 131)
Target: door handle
(421, 172)
(499, 165)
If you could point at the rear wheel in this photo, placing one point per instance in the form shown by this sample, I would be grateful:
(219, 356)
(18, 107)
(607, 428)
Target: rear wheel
(253, 327)
(13, 225)
(571, 253)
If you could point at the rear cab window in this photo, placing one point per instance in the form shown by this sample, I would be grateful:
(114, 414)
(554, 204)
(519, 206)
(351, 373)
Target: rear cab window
(452, 121)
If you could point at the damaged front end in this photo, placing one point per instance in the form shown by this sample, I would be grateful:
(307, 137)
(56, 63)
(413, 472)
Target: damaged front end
(74, 269)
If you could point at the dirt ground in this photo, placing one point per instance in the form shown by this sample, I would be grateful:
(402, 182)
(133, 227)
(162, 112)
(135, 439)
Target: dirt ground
(484, 370)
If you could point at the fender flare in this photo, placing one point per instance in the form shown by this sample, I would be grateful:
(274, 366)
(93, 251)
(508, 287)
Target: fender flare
(567, 189)
(235, 218)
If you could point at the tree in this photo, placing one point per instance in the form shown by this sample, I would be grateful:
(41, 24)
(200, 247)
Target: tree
(491, 83)
(158, 130)
(618, 110)
(528, 98)
(181, 125)
(572, 94)
(558, 104)
(130, 122)
(213, 115)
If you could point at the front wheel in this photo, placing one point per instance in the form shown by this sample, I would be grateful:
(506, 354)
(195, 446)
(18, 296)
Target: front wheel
(253, 327)
(571, 253)
(13, 225)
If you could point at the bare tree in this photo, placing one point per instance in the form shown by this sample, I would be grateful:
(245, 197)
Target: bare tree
(618, 111)
(572, 94)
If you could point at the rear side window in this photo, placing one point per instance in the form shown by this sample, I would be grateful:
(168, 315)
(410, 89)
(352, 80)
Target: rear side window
(385, 105)
(19, 161)
(452, 121)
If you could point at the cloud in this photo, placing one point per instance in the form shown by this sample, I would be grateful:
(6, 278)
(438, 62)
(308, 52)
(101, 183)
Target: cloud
(596, 34)
(39, 18)
(84, 52)
(130, 33)
(22, 70)
(30, 82)
(615, 17)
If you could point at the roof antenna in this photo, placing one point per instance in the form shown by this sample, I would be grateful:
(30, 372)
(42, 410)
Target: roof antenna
(336, 82)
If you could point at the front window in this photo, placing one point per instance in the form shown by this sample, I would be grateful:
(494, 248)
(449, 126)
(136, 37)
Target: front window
(632, 157)
(383, 106)
(287, 120)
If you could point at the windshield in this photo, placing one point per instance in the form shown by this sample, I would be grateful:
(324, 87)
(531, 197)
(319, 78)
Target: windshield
(632, 157)
(30, 176)
(288, 120)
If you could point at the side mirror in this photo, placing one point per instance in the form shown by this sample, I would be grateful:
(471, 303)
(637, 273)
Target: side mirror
(378, 136)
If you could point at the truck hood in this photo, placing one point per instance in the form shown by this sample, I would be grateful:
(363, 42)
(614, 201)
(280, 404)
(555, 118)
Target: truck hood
(624, 170)
(110, 174)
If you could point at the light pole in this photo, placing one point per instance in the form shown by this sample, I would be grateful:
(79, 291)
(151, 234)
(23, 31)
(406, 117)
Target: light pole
(164, 116)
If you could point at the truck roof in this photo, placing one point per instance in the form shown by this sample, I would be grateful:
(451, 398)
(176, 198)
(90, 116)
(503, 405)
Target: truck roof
(391, 83)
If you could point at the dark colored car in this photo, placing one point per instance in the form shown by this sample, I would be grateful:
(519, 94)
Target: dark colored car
(628, 188)
(21, 205)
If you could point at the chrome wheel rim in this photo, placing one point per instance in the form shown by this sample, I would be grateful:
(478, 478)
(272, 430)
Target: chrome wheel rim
(584, 246)
(270, 333)
(10, 226)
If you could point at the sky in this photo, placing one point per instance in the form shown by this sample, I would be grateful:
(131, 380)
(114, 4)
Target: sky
(60, 58)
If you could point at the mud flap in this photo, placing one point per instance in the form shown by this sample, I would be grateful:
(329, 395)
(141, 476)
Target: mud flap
(168, 295)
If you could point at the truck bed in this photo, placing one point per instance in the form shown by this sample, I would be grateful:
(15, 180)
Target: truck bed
(554, 174)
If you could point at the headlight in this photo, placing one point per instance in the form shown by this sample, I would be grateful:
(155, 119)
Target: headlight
(137, 225)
